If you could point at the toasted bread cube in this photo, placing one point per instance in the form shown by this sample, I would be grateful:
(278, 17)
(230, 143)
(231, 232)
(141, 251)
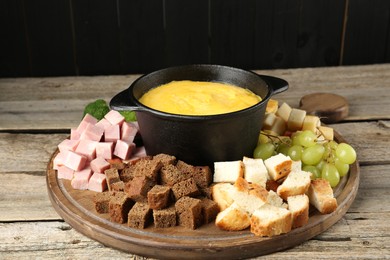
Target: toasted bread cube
(272, 106)
(321, 196)
(278, 166)
(296, 183)
(233, 218)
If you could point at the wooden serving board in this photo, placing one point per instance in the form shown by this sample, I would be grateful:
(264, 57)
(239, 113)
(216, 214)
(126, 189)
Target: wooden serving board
(207, 242)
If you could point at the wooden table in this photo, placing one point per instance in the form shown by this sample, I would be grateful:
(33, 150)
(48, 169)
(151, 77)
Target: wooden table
(37, 113)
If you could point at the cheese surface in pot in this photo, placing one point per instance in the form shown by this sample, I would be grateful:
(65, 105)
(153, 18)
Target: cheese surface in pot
(198, 98)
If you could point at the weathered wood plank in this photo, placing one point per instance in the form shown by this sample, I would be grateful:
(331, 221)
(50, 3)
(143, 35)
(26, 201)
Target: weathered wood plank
(367, 89)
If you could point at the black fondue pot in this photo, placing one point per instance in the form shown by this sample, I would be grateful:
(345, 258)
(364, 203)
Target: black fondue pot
(200, 140)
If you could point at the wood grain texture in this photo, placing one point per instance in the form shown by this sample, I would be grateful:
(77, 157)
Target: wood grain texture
(364, 87)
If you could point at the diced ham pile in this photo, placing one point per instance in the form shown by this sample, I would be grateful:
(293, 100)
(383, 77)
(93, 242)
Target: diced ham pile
(85, 156)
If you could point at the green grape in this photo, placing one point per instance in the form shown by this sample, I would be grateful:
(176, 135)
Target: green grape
(320, 165)
(342, 168)
(333, 145)
(264, 151)
(330, 173)
(295, 140)
(307, 138)
(315, 172)
(263, 139)
(346, 153)
(295, 152)
(312, 155)
(283, 148)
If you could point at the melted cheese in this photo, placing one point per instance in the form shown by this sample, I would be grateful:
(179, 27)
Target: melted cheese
(199, 98)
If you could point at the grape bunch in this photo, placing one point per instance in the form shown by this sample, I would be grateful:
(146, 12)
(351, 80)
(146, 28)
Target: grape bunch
(325, 159)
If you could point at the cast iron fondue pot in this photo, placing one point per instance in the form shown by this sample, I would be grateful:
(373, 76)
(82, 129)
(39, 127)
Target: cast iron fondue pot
(200, 140)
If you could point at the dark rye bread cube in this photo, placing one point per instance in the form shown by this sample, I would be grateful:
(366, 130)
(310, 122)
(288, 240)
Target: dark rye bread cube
(148, 168)
(202, 175)
(112, 176)
(119, 207)
(139, 215)
(158, 197)
(102, 201)
(118, 186)
(127, 174)
(189, 212)
(137, 189)
(164, 218)
(210, 210)
(170, 175)
(185, 188)
(165, 159)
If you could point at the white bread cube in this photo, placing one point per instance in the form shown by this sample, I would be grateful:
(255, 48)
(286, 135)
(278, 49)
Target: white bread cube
(296, 183)
(278, 166)
(221, 193)
(255, 171)
(248, 197)
(228, 171)
(321, 196)
(271, 221)
(275, 200)
(299, 207)
(233, 219)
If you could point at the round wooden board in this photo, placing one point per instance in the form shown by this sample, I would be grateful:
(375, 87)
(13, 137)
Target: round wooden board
(77, 209)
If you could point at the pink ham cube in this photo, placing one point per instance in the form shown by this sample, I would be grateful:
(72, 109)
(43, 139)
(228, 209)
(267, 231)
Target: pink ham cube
(104, 150)
(97, 182)
(112, 133)
(114, 117)
(68, 145)
(87, 148)
(129, 131)
(59, 159)
(99, 165)
(74, 134)
(64, 172)
(75, 161)
(124, 149)
(103, 124)
(88, 119)
(92, 132)
(81, 179)
(139, 152)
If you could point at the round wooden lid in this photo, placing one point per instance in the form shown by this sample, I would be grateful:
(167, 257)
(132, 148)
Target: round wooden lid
(331, 108)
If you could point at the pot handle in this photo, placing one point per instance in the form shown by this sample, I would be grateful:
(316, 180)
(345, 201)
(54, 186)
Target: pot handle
(122, 102)
(277, 85)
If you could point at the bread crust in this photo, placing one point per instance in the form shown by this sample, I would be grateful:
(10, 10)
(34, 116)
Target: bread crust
(321, 196)
(232, 219)
(280, 223)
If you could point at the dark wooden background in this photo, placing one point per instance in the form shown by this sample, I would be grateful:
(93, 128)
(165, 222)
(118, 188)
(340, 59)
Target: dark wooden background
(98, 37)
